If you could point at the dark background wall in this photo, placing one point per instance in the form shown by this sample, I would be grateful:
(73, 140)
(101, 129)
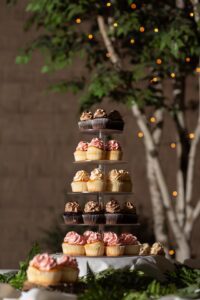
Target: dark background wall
(38, 134)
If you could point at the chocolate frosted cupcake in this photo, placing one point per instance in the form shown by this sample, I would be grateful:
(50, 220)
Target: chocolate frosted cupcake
(93, 213)
(85, 120)
(100, 119)
(129, 211)
(73, 213)
(113, 212)
(115, 120)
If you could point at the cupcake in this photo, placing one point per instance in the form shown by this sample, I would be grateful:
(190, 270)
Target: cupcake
(132, 246)
(113, 246)
(113, 215)
(119, 181)
(81, 150)
(115, 120)
(157, 249)
(74, 244)
(96, 182)
(93, 213)
(85, 120)
(113, 150)
(96, 150)
(69, 268)
(129, 211)
(94, 244)
(100, 119)
(43, 270)
(79, 183)
(73, 213)
(145, 249)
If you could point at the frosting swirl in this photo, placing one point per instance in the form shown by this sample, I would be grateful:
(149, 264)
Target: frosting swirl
(82, 146)
(112, 206)
(43, 262)
(110, 239)
(129, 207)
(86, 115)
(74, 238)
(113, 145)
(144, 249)
(87, 233)
(96, 142)
(92, 206)
(157, 249)
(72, 207)
(67, 261)
(94, 237)
(100, 113)
(96, 174)
(81, 176)
(128, 239)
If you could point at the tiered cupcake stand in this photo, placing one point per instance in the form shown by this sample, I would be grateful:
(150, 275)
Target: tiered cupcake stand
(100, 263)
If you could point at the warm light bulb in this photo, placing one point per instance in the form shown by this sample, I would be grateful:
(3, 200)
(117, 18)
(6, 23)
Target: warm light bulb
(187, 59)
(159, 61)
(108, 4)
(174, 193)
(173, 75)
(142, 29)
(152, 119)
(133, 6)
(191, 135)
(107, 54)
(173, 145)
(171, 252)
(90, 36)
(78, 20)
(191, 14)
(198, 69)
(140, 134)
(154, 79)
(132, 41)
(156, 30)
(115, 24)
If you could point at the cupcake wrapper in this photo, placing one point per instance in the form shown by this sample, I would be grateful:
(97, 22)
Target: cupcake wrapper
(80, 155)
(100, 123)
(96, 186)
(117, 125)
(132, 249)
(74, 250)
(69, 275)
(130, 218)
(93, 218)
(72, 218)
(114, 218)
(94, 153)
(117, 250)
(114, 155)
(79, 186)
(94, 249)
(52, 277)
(85, 124)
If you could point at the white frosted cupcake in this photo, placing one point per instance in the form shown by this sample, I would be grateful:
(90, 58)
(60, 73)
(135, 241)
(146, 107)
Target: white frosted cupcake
(96, 182)
(157, 249)
(81, 150)
(69, 268)
(132, 246)
(79, 183)
(119, 181)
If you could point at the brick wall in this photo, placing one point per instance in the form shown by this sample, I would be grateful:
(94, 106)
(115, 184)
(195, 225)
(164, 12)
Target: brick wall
(38, 134)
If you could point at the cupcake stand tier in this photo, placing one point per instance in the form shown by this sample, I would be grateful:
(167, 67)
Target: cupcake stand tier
(101, 162)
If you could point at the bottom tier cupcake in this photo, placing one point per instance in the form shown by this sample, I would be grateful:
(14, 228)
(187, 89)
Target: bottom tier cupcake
(132, 246)
(69, 268)
(94, 245)
(113, 247)
(74, 244)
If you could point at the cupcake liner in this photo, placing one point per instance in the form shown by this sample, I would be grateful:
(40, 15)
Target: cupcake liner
(130, 218)
(100, 123)
(115, 124)
(96, 186)
(45, 278)
(80, 155)
(115, 218)
(114, 155)
(116, 250)
(73, 250)
(94, 153)
(132, 249)
(94, 249)
(72, 218)
(85, 124)
(69, 275)
(79, 186)
(114, 186)
(93, 218)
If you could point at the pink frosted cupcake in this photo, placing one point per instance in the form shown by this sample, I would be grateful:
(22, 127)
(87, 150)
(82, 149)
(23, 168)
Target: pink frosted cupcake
(132, 246)
(113, 245)
(96, 150)
(69, 268)
(74, 244)
(81, 150)
(43, 270)
(94, 244)
(113, 150)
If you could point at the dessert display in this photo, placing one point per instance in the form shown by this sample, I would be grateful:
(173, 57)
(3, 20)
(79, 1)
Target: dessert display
(79, 183)
(96, 150)
(81, 150)
(45, 270)
(73, 213)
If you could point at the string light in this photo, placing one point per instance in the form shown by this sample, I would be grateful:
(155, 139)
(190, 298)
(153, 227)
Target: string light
(159, 61)
(133, 6)
(174, 193)
(156, 29)
(173, 145)
(78, 20)
(108, 4)
(188, 59)
(115, 24)
(155, 79)
(198, 69)
(132, 41)
(142, 29)
(90, 36)
(171, 252)
(191, 135)
(191, 14)
(140, 134)
(152, 120)
(173, 75)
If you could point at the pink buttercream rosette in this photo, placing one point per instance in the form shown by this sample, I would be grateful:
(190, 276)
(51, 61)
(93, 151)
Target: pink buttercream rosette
(98, 143)
(110, 239)
(113, 145)
(43, 262)
(128, 239)
(74, 238)
(67, 261)
(82, 146)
